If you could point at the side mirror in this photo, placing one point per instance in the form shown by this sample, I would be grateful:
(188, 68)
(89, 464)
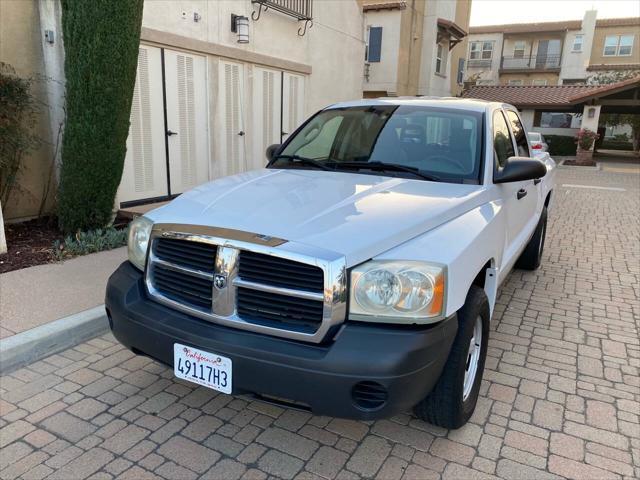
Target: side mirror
(519, 169)
(271, 150)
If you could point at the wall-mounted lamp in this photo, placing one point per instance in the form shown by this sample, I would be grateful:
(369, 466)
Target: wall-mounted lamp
(591, 112)
(240, 25)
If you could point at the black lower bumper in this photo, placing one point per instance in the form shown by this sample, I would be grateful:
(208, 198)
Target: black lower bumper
(406, 361)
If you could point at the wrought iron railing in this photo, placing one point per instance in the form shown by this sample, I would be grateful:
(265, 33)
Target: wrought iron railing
(301, 10)
(531, 62)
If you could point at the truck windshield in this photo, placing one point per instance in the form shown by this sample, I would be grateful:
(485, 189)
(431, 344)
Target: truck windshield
(425, 143)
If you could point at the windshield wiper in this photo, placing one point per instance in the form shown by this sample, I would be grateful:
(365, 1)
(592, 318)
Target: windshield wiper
(381, 167)
(302, 160)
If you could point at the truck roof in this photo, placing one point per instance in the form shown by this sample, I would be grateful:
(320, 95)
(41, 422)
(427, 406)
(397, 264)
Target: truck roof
(442, 102)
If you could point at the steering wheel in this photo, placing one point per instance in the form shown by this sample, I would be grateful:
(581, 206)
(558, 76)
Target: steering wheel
(457, 163)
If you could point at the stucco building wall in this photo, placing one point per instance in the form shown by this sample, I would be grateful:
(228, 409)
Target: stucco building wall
(21, 47)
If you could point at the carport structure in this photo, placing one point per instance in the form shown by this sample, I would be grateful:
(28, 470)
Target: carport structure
(587, 101)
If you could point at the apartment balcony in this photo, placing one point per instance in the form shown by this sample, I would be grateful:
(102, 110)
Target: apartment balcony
(530, 63)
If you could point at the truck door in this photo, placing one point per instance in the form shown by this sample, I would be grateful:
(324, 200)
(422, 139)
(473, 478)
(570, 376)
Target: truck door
(520, 198)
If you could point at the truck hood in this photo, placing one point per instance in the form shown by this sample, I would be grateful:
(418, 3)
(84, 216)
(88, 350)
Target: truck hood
(357, 215)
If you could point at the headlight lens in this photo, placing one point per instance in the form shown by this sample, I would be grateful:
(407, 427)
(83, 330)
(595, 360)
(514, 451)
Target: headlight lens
(139, 232)
(397, 292)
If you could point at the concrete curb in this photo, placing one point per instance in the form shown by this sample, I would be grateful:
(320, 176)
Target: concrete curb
(40, 342)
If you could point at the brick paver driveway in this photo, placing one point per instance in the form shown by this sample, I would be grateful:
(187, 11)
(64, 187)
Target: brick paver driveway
(559, 397)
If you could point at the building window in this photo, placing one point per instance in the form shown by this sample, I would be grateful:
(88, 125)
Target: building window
(373, 48)
(441, 58)
(618, 45)
(481, 51)
(556, 119)
(626, 45)
(515, 83)
(460, 76)
(574, 81)
(539, 82)
(518, 49)
(577, 43)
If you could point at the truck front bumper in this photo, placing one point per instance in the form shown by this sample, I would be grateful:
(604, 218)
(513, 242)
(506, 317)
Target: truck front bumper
(359, 362)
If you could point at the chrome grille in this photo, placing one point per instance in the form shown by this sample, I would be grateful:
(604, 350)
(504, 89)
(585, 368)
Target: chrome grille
(285, 311)
(247, 281)
(182, 287)
(256, 267)
(200, 256)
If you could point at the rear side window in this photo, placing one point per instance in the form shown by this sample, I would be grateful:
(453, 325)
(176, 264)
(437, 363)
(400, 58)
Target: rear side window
(502, 144)
(518, 132)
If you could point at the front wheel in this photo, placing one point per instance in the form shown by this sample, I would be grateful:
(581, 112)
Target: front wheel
(453, 400)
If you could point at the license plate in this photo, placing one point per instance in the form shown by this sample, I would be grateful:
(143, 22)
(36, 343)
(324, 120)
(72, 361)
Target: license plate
(204, 368)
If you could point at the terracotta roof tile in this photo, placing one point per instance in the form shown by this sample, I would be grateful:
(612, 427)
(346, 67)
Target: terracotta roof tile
(528, 27)
(614, 66)
(550, 95)
(552, 26)
(618, 22)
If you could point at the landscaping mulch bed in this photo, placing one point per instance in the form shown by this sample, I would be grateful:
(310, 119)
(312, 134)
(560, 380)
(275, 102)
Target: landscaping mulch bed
(29, 243)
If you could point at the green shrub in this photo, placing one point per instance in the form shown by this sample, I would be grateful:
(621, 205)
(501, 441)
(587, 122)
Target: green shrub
(101, 42)
(92, 241)
(561, 145)
(616, 145)
(18, 109)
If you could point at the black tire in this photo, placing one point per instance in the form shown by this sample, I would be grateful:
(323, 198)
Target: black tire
(445, 406)
(531, 257)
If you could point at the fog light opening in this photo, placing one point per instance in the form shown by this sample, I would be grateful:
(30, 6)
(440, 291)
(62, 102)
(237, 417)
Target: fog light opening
(369, 395)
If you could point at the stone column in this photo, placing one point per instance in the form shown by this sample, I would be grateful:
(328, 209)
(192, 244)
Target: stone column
(590, 119)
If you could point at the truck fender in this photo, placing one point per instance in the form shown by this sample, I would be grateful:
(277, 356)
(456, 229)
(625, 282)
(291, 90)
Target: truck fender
(465, 245)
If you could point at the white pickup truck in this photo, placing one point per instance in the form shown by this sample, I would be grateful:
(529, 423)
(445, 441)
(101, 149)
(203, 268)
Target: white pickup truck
(355, 275)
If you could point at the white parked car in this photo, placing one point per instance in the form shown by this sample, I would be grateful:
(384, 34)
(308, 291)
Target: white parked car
(356, 274)
(538, 143)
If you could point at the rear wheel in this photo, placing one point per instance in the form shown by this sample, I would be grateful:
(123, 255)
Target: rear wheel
(531, 257)
(453, 400)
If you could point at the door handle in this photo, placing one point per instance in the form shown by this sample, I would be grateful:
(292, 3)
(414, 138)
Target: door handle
(537, 181)
(241, 133)
(522, 193)
(169, 133)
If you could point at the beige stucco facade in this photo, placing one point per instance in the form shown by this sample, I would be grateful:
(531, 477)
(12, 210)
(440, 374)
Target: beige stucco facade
(408, 51)
(21, 47)
(601, 32)
(333, 43)
(463, 15)
(581, 50)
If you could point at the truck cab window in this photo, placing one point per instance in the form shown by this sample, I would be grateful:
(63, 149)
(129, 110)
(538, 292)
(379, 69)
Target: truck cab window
(518, 133)
(502, 144)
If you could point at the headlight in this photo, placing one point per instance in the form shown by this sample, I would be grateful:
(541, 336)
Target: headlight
(139, 231)
(397, 292)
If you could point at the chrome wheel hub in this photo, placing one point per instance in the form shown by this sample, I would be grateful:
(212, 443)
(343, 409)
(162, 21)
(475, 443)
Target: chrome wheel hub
(473, 359)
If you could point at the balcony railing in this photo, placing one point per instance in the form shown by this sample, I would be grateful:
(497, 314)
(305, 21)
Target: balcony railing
(479, 63)
(531, 62)
(301, 10)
